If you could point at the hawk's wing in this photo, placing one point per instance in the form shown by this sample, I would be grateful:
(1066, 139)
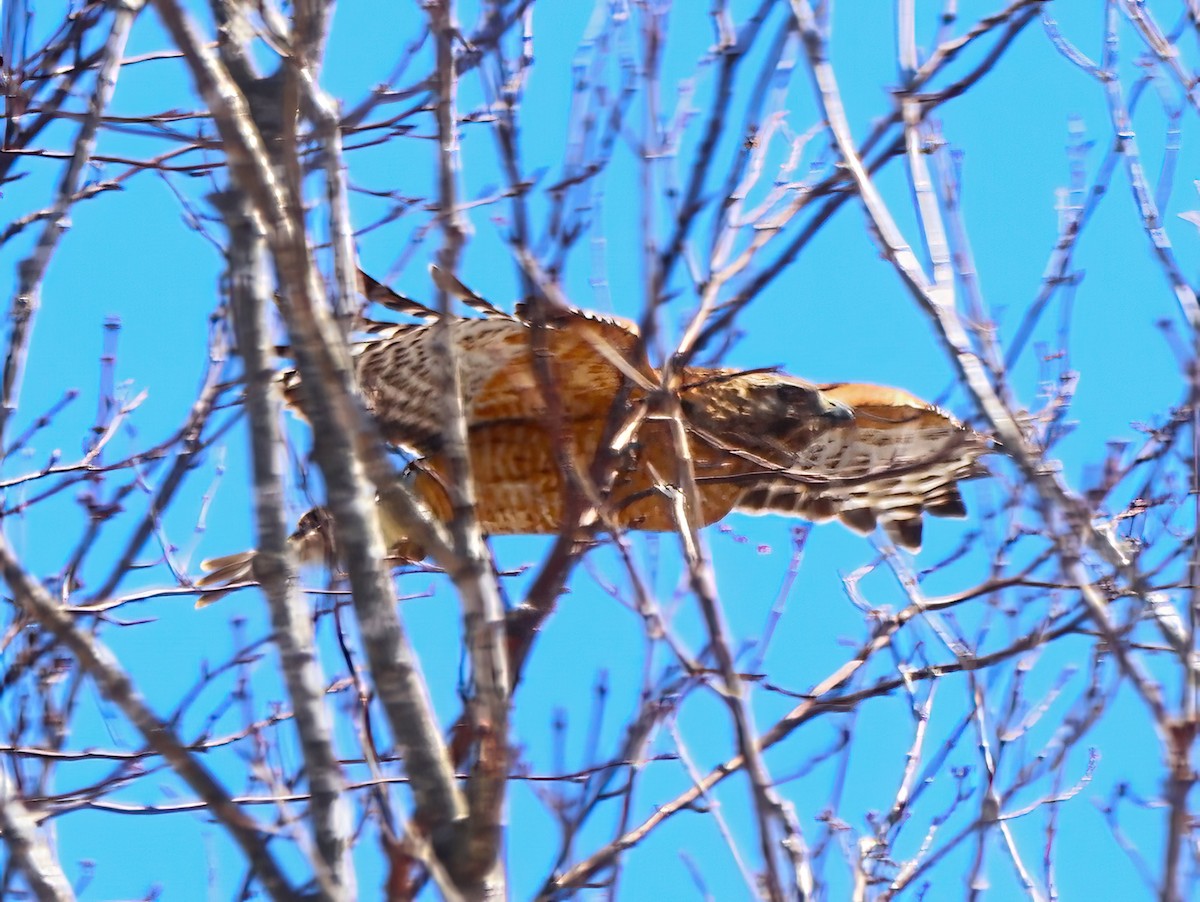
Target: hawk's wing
(899, 458)
(587, 356)
(401, 374)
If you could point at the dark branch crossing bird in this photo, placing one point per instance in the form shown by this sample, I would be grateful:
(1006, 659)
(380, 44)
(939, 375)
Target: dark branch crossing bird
(760, 442)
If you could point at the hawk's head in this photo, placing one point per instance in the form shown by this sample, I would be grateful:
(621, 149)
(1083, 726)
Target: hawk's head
(762, 412)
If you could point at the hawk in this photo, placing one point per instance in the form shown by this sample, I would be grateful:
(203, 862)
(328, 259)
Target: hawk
(759, 441)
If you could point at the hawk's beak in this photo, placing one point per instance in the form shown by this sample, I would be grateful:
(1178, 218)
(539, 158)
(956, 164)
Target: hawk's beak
(838, 412)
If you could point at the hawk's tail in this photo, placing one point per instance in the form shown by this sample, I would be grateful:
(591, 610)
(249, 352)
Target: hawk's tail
(225, 574)
(312, 542)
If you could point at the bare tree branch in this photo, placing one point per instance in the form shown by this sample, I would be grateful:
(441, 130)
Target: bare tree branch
(100, 664)
(275, 565)
(32, 271)
(341, 433)
(31, 853)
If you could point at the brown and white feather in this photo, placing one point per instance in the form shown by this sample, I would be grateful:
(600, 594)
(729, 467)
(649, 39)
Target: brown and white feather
(900, 458)
(759, 441)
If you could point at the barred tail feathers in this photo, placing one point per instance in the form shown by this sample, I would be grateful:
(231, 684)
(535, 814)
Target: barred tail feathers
(224, 574)
(312, 543)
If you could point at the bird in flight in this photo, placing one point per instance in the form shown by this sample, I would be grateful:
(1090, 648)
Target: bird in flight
(759, 442)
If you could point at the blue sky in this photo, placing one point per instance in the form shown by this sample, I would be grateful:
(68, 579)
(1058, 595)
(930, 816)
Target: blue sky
(838, 313)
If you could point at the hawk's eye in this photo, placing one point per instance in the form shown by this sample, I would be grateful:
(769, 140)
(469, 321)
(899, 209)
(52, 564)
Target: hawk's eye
(794, 394)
